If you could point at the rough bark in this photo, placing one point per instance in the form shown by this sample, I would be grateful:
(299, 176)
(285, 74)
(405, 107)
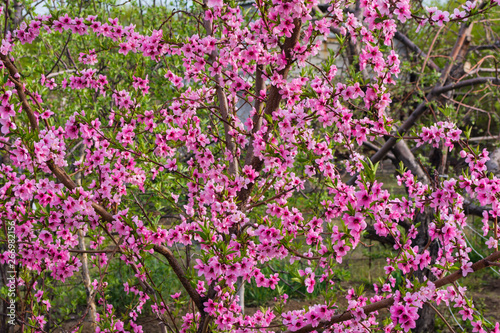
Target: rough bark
(427, 316)
(403, 153)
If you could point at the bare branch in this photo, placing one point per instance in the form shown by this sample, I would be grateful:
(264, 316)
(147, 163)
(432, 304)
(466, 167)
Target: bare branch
(412, 46)
(465, 83)
(370, 145)
(494, 46)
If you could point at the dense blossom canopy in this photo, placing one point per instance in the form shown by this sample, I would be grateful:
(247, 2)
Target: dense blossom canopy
(234, 176)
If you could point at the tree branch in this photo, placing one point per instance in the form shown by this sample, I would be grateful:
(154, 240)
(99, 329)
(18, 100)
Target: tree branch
(389, 301)
(462, 42)
(63, 177)
(272, 104)
(257, 117)
(181, 275)
(223, 109)
(20, 92)
(391, 142)
(494, 46)
(465, 83)
(412, 46)
(473, 209)
(370, 145)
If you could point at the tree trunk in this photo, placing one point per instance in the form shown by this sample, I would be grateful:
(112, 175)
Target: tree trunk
(427, 316)
(402, 152)
(240, 284)
(426, 321)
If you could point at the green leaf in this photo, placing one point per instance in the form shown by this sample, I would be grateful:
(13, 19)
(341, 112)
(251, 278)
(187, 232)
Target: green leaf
(467, 132)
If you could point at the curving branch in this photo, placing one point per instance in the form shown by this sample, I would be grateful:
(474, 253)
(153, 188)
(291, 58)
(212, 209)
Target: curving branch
(181, 275)
(260, 84)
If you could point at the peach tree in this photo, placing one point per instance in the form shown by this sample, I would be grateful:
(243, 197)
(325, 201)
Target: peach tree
(239, 122)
